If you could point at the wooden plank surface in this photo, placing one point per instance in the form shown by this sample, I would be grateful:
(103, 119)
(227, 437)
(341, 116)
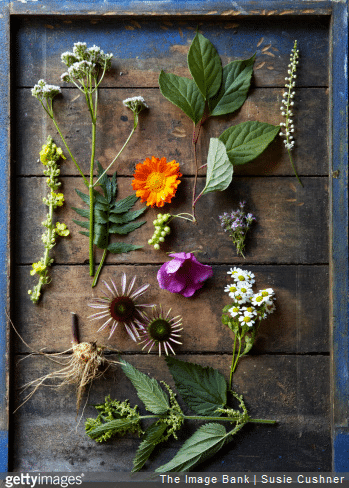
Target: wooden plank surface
(299, 325)
(165, 131)
(47, 437)
(286, 375)
(289, 226)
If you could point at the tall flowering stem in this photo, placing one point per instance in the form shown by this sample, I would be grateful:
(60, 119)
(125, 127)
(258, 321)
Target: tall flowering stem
(244, 315)
(287, 127)
(49, 156)
(86, 68)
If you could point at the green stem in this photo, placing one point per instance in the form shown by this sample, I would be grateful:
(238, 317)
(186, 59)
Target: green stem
(67, 147)
(232, 365)
(294, 168)
(99, 268)
(116, 157)
(91, 195)
(212, 418)
(238, 355)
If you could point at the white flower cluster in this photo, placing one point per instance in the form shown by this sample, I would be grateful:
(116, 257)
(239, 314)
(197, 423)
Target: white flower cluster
(43, 90)
(84, 61)
(248, 306)
(136, 104)
(287, 101)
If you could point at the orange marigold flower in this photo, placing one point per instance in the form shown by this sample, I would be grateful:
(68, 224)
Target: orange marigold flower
(155, 181)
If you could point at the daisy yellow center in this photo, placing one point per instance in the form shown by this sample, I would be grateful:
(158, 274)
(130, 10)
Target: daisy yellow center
(265, 294)
(247, 319)
(159, 330)
(259, 299)
(122, 308)
(156, 182)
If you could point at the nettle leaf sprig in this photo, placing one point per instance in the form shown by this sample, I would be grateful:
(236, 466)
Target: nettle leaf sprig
(215, 91)
(110, 217)
(205, 392)
(50, 154)
(86, 68)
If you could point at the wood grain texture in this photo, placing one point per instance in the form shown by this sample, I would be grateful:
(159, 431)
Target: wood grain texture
(46, 438)
(290, 223)
(144, 46)
(286, 376)
(164, 130)
(299, 324)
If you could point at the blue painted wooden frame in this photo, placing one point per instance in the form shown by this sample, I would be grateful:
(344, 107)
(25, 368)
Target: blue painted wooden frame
(338, 10)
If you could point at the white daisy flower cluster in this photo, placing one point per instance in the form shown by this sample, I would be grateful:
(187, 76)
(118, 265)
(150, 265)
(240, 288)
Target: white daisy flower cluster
(248, 307)
(84, 62)
(43, 90)
(287, 127)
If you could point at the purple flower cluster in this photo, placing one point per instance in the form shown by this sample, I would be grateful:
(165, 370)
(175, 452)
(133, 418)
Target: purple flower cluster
(236, 224)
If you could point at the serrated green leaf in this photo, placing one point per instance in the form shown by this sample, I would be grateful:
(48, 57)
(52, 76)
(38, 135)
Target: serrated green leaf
(101, 236)
(184, 93)
(124, 205)
(116, 426)
(235, 85)
(148, 389)
(219, 169)
(125, 228)
(244, 142)
(204, 389)
(151, 439)
(120, 247)
(83, 196)
(100, 216)
(83, 212)
(84, 224)
(126, 217)
(204, 443)
(205, 66)
(84, 233)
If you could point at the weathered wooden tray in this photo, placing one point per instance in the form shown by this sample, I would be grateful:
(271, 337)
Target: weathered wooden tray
(297, 371)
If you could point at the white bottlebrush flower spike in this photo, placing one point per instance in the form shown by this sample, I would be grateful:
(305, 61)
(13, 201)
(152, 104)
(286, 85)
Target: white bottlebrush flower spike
(287, 127)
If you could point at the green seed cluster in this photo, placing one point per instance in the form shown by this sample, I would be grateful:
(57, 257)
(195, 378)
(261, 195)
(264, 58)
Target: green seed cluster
(161, 230)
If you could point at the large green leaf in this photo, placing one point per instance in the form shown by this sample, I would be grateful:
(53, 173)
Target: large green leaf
(235, 85)
(152, 437)
(204, 389)
(244, 142)
(219, 169)
(183, 93)
(148, 389)
(204, 443)
(205, 66)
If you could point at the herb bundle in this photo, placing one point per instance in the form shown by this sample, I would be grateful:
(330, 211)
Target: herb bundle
(205, 392)
(215, 91)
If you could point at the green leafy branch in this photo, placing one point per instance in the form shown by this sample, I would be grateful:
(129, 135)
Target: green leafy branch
(110, 217)
(215, 91)
(203, 389)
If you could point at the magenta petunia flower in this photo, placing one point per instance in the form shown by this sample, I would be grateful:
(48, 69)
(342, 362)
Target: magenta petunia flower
(183, 274)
